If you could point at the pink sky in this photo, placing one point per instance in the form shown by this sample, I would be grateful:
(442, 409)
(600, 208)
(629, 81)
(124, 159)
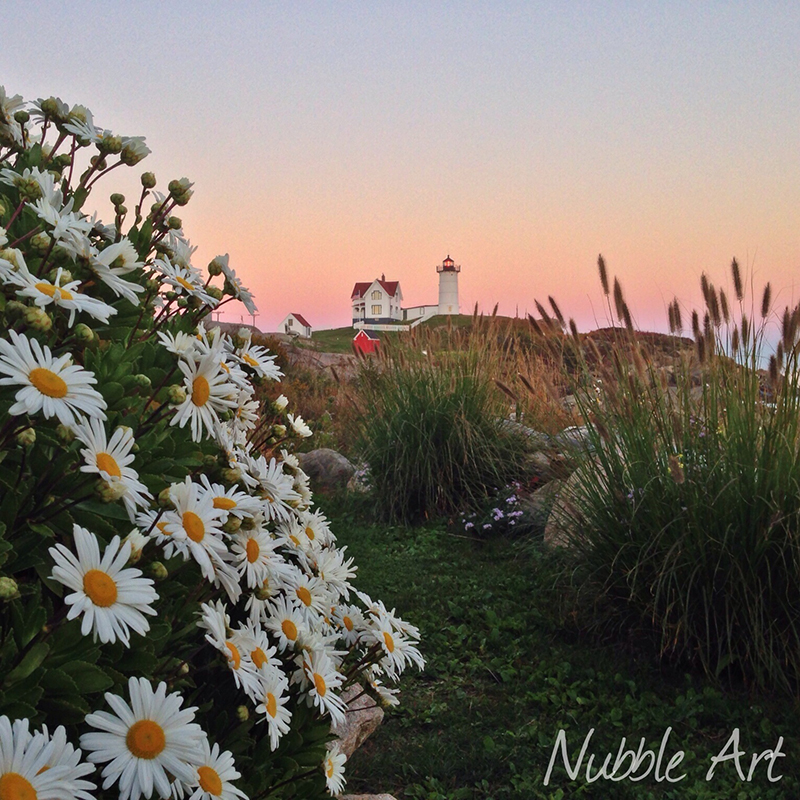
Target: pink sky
(332, 143)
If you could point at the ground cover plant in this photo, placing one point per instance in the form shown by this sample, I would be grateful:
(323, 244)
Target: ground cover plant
(686, 517)
(504, 674)
(170, 599)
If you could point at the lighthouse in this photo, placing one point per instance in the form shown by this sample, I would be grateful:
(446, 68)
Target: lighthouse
(448, 286)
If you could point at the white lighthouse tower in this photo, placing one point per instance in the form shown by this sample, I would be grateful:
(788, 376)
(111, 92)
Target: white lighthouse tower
(448, 286)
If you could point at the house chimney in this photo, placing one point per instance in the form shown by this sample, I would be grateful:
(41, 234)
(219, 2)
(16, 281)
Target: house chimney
(383, 276)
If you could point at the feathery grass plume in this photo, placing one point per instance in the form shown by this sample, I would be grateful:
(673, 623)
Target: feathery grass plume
(708, 330)
(700, 348)
(723, 300)
(779, 354)
(704, 285)
(626, 316)
(745, 323)
(535, 325)
(695, 324)
(506, 390)
(527, 384)
(737, 280)
(494, 310)
(557, 311)
(786, 327)
(545, 316)
(619, 299)
(735, 342)
(671, 315)
(573, 329)
(774, 372)
(766, 299)
(716, 317)
(678, 320)
(475, 312)
(601, 266)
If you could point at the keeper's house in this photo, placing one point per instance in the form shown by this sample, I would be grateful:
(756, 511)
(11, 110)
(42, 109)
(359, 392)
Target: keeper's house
(377, 302)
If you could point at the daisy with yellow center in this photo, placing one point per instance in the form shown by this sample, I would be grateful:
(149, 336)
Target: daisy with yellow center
(25, 766)
(63, 754)
(215, 621)
(196, 524)
(54, 386)
(209, 392)
(113, 600)
(323, 680)
(233, 500)
(214, 776)
(146, 742)
(308, 594)
(255, 557)
(259, 360)
(111, 459)
(333, 766)
(286, 623)
(274, 701)
(67, 296)
(183, 279)
(350, 623)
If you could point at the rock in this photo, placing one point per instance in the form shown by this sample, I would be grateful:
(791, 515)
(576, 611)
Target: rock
(367, 797)
(538, 505)
(362, 718)
(574, 438)
(540, 465)
(536, 439)
(326, 468)
(561, 529)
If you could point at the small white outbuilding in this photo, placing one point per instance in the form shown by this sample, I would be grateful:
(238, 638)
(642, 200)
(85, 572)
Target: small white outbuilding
(296, 325)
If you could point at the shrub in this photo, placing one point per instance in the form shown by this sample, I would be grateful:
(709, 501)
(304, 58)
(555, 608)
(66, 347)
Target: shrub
(157, 539)
(430, 426)
(687, 516)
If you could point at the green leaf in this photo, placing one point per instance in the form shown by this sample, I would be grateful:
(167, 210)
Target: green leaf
(31, 660)
(89, 677)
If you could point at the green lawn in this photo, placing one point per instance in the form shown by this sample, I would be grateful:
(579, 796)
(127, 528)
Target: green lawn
(504, 676)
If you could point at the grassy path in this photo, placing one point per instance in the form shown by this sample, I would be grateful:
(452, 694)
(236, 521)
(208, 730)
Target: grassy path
(503, 678)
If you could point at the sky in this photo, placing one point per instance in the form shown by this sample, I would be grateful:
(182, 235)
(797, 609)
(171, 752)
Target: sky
(332, 142)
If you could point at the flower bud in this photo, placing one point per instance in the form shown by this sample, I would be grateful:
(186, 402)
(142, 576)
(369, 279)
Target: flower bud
(174, 223)
(232, 524)
(215, 292)
(164, 499)
(158, 571)
(121, 211)
(98, 162)
(176, 394)
(9, 590)
(83, 333)
(40, 243)
(148, 180)
(231, 475)
(183, 302)
(117, 199)
(184, 669)
(281, 403)
(109, 492)
(214, 268)
(171, 295)
(242, 713)
(62, 161)
(22, 116)
(110, 144)
(279, 431)
(65, 434)
(209, 461)
(15, 309)
(26, 438)
(137, 541)
(142, 382)
(38, 319)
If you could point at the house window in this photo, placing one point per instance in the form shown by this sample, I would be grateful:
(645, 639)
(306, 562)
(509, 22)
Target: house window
(376, 295)
(290, 322)
(376, 310)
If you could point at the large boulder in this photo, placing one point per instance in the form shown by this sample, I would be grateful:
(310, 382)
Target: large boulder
(327, 469)
(361, 720)
(563, 523)
(537, 506)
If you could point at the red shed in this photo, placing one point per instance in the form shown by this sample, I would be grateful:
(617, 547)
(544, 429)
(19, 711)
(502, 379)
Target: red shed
(366, 342)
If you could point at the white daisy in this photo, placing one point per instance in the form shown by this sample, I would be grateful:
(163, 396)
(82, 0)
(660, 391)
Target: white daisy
(63, 754)
(255, 557)
(54, 386)
(259, 360)
(274, 688)
(334, 770)
(323, 679)
(24, 761)
(145, 741)
(299, 427)
(114, 262)
(179, 343)
(113, 600)
(286, 622)
(234, 285)
(233, 500)
(208, 392)
(214, 776)
(112, 460)
(183, 280)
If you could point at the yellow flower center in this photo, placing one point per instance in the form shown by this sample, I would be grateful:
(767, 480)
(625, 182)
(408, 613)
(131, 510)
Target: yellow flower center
(225, 503)
(304, 595)
(100, 588)
(329, 768)
(249, 360)
(235, 657)
(272, 704)
(387, 637)
(319, 684)
(200, 391)
(107, 463)
(310, 533)
(253, 550)
(146, 739)
(348, 623)
(259, 658)
(289, 629)
(209, 780)
(193, 526)
(186, 285)
(47, 382)
(50, 291)
(162, 526)
(14, 787)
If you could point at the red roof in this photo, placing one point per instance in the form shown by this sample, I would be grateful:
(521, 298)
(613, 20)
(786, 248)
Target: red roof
(367, 334)
(360, 289)
(301, 319)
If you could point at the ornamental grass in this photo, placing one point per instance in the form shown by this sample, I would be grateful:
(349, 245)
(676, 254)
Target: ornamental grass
(176, 618)
(685, 522)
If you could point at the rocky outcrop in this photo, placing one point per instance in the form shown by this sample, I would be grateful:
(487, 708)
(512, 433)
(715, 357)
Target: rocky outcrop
(362, 718)
(327, 469)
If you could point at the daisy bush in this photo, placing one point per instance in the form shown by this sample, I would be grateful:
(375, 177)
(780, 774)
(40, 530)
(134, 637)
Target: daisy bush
(176, 619)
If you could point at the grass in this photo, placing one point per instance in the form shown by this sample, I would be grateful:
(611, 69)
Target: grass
(504, 675)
